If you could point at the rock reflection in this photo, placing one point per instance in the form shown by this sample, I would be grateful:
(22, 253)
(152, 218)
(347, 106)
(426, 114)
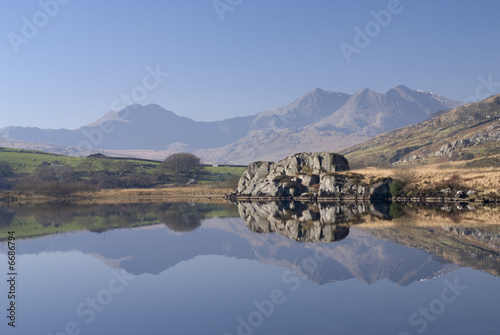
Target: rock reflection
(322, 222)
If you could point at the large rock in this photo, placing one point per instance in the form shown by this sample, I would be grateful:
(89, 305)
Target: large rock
(307, 176)
(314, 163)
(290, 176)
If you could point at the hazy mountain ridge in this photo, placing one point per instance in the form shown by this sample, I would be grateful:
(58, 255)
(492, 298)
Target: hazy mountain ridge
(371, 113)
(310, 108)
(363, 115)
(318, 121)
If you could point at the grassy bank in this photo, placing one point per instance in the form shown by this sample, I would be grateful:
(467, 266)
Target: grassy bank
(41, 177)
(485, 182)
(169, 194)
(200, 193)
(34, 176)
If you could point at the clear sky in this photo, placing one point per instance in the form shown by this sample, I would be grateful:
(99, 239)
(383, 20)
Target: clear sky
(83, 55)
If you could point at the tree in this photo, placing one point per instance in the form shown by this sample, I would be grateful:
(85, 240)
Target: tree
(5, 169)
(45, 172)
(87, 165)
(124, 167)
(107, 165)
(60, 173)
(181, 167)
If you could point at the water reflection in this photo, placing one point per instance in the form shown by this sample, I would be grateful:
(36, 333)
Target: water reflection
(461, 234)
(203, 262)
(32, 221)
(455, 235)
(323, 222)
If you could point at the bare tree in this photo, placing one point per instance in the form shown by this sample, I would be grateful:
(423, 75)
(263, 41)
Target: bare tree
(124, 167)
(5, 169)
(181, 167)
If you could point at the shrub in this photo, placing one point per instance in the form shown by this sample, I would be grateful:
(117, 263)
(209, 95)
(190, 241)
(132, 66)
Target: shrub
(396, 210)
(52, 188)
(282, 179)
(62, 173)
(396, 187)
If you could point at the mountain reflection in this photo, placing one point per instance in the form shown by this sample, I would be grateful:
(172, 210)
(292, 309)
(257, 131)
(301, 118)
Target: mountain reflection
(372, 241)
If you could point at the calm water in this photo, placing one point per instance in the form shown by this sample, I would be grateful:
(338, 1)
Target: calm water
(252, 269)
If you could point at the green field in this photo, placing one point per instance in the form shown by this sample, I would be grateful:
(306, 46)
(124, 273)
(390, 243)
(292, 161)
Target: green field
(26, 161)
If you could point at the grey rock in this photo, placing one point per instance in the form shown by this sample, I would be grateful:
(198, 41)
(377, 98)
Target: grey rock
(307, 175)
(449, 148)
(288, 177)
(445, 191)
(309, 180)
(379, 190)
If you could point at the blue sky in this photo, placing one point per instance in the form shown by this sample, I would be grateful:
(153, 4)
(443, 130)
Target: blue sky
(262, 55)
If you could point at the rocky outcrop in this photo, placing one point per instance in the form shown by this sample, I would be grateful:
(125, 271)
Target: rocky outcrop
(449, 148)
(308, 176)
(490, 134)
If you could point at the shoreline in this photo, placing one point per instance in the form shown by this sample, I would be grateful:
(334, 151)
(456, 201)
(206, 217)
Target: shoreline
(353, 199)
(180, 194)
(113, 196)
(421, 181)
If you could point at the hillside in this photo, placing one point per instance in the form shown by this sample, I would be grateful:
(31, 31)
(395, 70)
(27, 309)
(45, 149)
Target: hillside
(23, 163)
(468, 133)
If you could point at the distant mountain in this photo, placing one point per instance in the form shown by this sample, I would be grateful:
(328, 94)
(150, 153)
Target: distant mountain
(139, 127)
(308, 109)
(318, 121)
(467, 133)
(363, 115)
(371, 113)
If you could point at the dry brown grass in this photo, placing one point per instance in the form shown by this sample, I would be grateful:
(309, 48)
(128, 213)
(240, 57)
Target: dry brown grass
(483, 180)
(194, 193)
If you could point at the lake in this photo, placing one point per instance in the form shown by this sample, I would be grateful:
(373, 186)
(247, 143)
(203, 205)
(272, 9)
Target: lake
(251, 268)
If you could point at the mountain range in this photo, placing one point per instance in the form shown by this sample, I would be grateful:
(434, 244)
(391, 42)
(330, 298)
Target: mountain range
(318, 121)
(469, 133)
